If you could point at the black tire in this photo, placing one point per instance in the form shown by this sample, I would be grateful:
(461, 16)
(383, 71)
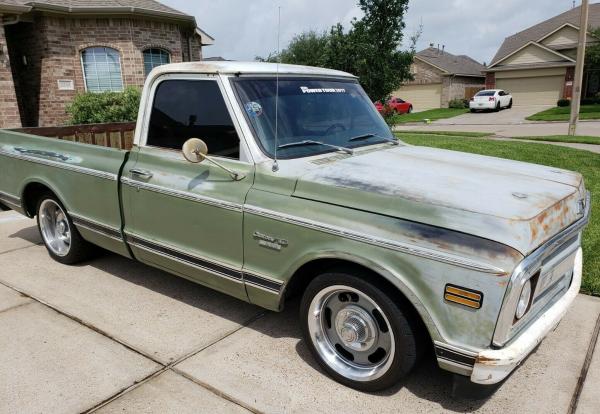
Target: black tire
(473, 111)
(497, 109)
(79, 250)
(405, 330)
(410, 109)
(510, 104)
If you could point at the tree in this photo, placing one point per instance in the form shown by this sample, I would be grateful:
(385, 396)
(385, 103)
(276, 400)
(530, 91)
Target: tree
(370, 49)
(592, 54)
(377, 37)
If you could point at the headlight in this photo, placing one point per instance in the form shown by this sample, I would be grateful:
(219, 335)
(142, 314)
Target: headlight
(524, 300)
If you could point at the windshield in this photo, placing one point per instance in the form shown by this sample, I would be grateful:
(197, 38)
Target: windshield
(328, 111)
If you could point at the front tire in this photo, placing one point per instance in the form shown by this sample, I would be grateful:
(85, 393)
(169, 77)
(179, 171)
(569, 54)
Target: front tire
(357, 333)
(61, 238)
(510, 104)
(410, 109)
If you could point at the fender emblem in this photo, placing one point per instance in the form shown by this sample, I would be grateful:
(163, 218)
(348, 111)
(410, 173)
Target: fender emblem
(269, 242)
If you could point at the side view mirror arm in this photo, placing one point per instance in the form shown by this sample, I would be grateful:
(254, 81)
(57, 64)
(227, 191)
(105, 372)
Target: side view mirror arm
(235, 175)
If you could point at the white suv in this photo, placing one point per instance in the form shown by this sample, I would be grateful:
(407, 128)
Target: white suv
(494, 99)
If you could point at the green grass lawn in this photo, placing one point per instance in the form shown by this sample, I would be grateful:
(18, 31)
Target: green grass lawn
(447, 133)
(432, 114)
(563, 113)
(581, 139)
(585, 162)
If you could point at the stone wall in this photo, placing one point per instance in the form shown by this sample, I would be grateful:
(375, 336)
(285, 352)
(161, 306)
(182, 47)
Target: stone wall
(424, 73)
(454, 87)
(9, 109)
(52, 48)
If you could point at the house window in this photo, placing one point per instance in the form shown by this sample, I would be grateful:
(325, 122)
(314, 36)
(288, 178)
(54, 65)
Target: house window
(102, 69)
(155, 57)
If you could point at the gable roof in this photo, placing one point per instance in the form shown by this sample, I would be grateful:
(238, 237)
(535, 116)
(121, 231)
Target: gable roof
(535, 33)
(451, 64)
(144, 7)
(548, 50)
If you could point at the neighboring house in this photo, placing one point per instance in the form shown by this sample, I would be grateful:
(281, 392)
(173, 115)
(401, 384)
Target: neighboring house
(537, 65)
(51, 50)
(439, 77)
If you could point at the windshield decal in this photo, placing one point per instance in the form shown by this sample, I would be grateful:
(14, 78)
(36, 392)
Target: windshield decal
(306, 89)
(254, 108)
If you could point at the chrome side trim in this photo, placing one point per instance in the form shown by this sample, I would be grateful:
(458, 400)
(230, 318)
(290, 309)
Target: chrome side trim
(182, 194)
(526, 269)
(12, 200)
(96, 227)
(62, 165)
(375, 241)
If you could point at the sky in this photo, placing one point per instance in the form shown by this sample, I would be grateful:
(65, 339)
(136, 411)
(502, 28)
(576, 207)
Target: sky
(244, 29)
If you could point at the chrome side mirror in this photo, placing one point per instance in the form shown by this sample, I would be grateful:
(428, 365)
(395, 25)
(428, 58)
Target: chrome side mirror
(195, 151)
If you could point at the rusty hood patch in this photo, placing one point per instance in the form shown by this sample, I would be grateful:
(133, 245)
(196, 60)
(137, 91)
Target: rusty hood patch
(518, 204)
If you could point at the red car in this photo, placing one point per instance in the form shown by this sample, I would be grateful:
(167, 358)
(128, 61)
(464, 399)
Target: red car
(397, 105)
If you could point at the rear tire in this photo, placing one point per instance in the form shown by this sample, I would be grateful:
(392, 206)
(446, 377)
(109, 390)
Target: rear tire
(60, 236)
(357, 333)
(497, 108)
(473, 111)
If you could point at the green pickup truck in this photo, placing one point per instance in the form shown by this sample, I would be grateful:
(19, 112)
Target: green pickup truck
(267, 182)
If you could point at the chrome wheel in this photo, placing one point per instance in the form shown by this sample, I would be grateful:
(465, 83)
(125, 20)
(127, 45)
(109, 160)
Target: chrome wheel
(55, 228)
(351, 333)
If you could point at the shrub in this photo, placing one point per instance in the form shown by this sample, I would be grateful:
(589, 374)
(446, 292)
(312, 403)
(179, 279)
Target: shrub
(563, 102)
(458, 103)
(591, 101)
(95, 108)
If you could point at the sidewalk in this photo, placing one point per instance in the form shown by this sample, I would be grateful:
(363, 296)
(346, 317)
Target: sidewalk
(114, 336)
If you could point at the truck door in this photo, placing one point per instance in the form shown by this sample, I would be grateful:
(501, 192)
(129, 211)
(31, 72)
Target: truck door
(182, 217)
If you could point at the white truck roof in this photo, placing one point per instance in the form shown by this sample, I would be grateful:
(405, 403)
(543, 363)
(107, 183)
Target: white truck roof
(259, 68)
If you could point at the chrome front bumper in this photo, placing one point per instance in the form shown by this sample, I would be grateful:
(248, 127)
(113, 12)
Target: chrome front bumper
(493, 365)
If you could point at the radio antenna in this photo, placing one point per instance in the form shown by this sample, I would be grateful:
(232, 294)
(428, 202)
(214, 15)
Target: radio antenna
(276, 164)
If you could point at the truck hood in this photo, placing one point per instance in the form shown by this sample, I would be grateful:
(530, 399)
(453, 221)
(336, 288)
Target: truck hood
(518, 204)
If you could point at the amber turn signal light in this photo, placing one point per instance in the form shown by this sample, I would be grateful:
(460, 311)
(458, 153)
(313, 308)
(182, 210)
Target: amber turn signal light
(462, 296)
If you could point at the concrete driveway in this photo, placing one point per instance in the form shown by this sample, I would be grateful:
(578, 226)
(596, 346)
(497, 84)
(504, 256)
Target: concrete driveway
(514, 116)
(506, 123)
(114, 336)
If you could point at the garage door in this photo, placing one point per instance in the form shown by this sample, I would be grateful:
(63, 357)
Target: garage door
(543, 90)
(421, 97)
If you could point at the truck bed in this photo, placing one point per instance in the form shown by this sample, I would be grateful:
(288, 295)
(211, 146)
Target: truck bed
(84, 177)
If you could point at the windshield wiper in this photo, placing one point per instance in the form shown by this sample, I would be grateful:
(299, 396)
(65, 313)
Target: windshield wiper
(312, 142)
(365, 136)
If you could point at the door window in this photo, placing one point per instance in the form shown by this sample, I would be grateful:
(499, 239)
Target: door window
(185, 109)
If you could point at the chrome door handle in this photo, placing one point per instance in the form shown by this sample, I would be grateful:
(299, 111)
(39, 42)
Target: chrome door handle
(141, 173)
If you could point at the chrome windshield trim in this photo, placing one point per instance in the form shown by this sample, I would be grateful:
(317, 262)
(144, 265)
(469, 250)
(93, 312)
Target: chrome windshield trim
(526, 269)
(376, 241)
(69, 167)
(182, 194)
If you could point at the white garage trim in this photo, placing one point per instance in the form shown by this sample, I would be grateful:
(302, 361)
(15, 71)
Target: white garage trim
(541, 90)
(422, 97)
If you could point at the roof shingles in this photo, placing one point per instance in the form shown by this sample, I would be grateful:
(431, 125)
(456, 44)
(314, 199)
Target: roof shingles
(513, 43)
(454, 65)
(74, 5)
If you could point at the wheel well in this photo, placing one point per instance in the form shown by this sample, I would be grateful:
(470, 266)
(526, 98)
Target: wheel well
(307, 272)
(31, 196)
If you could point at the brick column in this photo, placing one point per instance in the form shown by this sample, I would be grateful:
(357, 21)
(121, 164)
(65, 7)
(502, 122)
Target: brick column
(490, 80)
(9, 108)
(569, 79)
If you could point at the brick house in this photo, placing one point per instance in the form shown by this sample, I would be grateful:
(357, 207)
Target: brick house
(537, 65)
(51, 50)
(440, 77)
